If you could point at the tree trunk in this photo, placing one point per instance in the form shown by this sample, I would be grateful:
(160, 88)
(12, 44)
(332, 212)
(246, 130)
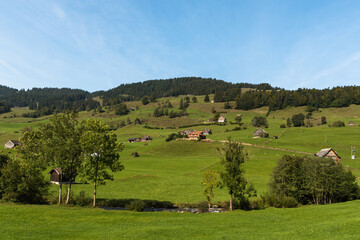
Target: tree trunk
(68, 193)
(209, 205)
(231, 202)
(96, 171)
(60, 192)
(94, 202)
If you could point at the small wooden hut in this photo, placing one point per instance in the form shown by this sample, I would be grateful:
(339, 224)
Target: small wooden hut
(56, 176)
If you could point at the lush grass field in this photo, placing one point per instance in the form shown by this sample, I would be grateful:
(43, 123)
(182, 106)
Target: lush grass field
(336, 221)
(172, 171)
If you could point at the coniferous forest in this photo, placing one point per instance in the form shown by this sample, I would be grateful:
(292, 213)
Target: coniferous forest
(247, 96)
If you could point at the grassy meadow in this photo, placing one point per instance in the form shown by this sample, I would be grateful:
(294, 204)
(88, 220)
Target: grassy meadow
(172, 171)
(336, 221)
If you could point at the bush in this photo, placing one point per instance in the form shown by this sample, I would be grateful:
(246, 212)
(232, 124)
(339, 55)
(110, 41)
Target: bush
(259, 121)
(338, 124)
(82, 199)
(136, 205)
(203, 207)
(298, 120)
(282, 126)
(279, 201)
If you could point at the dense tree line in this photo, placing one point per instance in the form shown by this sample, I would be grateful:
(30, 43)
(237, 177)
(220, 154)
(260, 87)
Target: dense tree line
(178, 86)
(46, 100)
(314, 98)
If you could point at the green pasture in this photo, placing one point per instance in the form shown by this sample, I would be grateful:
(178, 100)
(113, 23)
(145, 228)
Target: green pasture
(335, 221)
(172, 171)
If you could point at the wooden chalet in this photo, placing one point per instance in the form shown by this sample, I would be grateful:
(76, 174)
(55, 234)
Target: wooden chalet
(261, 133)
(56, 176)
(11, 144)
(328, 153)
(196, 135)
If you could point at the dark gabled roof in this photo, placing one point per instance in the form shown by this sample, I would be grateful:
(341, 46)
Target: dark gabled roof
(57, 170)
(133, 139)
(260, 130)
(324, 152)
(14, 142)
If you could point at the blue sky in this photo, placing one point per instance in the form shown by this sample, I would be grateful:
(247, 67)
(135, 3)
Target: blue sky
(98, 45)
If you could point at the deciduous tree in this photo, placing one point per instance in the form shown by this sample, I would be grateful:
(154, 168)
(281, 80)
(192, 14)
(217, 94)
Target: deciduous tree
(101, 153)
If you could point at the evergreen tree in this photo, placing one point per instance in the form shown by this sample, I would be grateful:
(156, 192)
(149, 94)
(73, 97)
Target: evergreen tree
(206, 99)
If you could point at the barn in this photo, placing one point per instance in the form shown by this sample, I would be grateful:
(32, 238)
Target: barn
(328, 153)
(56, 176)
(11, 144)
(260, 133)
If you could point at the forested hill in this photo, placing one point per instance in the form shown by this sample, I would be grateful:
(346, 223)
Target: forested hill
(47, 100)
(176, 87)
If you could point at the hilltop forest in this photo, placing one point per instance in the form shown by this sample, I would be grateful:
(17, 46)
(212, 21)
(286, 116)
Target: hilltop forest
(247, 96)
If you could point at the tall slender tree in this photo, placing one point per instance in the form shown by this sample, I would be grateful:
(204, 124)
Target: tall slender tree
(101, 153)
(233, 158)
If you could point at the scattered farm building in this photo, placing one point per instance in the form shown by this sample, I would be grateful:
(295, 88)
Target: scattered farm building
(186, 132)
(328, 153)
(207, 131)
(56, 176)
(221, 119)
(211, 120)
(196, 135)
(261, 133)
(132, 140)
(146, 138)
(142, 139)
(11, 144)
(351, 123)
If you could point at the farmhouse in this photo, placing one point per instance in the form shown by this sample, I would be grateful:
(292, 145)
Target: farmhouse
(221, 119)
(260, 133)
(146, 138)
(56, 176)
(142, 139)
(207, 131)
(132, 140)
(211, 120)
(195, 135)
(328, 152)
(186, 132)
(11, 144)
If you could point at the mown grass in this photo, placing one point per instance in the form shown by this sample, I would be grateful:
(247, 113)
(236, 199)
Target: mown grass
(336, 221)
(172, 171)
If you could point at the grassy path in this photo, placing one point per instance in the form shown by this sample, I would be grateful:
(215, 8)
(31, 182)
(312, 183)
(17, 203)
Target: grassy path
(272, 148)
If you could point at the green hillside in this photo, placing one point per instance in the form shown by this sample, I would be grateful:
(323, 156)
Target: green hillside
(172, 171)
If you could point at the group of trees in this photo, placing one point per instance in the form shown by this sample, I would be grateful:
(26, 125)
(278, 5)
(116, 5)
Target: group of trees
(48, 100)
(279, 99)
(313, 180)
(80, 148)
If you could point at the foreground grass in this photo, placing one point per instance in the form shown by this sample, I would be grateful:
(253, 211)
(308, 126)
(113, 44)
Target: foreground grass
(336, 221)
